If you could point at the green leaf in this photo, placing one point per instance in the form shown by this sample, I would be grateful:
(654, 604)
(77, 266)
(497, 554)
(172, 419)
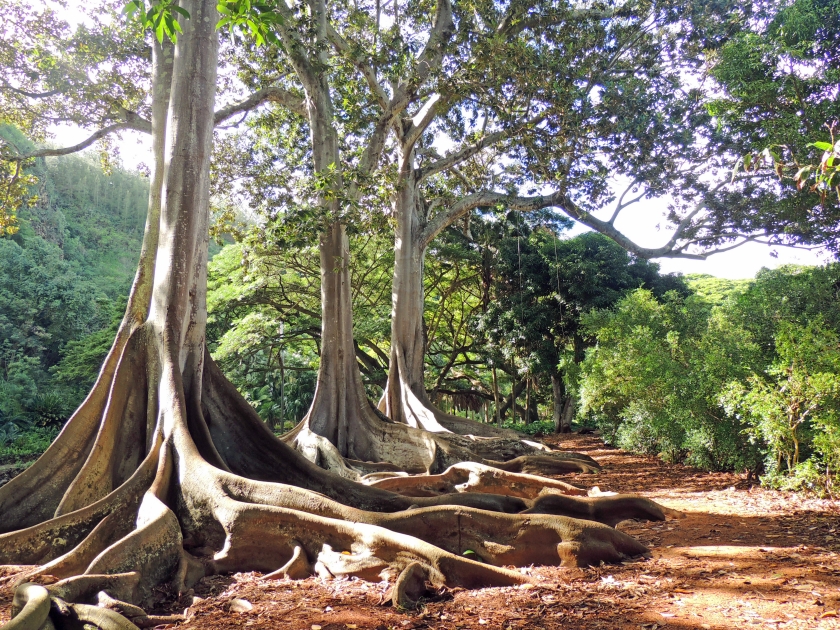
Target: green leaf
(160, 31)
(823, 146)
(131, 8)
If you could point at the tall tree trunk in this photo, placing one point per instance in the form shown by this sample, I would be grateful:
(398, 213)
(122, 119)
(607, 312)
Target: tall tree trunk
(407, 401)
(406, 398)
(340, 410)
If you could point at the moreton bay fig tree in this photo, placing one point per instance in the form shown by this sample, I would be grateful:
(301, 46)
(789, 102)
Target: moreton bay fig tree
(165, 474)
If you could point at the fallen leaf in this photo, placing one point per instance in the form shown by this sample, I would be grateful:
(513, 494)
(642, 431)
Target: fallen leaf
(240, 605)
(828, 613)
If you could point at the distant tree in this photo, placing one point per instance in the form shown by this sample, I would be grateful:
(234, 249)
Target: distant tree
(544, 285)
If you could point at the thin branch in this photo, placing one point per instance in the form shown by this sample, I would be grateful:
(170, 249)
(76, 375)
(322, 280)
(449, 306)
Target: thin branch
(484, 198)
(621, 205)
(344, 47)
(286, 98)
(45, 152)
(7, 86)
(511, 26)
(465, 153)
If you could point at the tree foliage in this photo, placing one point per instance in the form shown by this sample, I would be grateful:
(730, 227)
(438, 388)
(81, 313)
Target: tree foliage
(779, 108)
(64, 275)
(749, 382)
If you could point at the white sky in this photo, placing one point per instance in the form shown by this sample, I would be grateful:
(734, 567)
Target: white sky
(640, 224)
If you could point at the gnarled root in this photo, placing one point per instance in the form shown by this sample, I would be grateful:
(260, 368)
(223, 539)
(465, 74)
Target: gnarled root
(85, 615)
(610, 510)
(187, 494)
(30, 608)
(471, 477)
(497, 538)
(409, 586)
(552, 464)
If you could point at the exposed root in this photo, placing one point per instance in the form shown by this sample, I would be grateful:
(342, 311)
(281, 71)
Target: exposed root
(417, 410)
(553, 464)
(504, 538)
(33, 496)
(152, 621)
(471, 477)
(123, 586)
(102, 618)
(610, 510)
(409, 586)
(116, 547)
(127, 610)
(30, 608)
(238, 524)
(297, 568)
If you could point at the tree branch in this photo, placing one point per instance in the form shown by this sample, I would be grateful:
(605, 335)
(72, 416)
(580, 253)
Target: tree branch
(344, 47)
(286, 98)
(673, 248)
(465, 153)
(11, 88)
(432, 55)
(483, 198)
(84, 144)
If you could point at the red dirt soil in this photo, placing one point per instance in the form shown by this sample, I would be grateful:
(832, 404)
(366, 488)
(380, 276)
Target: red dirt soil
(743, 557)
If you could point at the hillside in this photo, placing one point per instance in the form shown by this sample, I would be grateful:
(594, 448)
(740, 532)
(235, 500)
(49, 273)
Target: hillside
(63, 278)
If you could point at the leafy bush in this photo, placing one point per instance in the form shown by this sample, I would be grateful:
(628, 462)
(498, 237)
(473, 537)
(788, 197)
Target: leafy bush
(49, 410)
(26, 445)
(806, 476)
(746, 377)
(536, 429)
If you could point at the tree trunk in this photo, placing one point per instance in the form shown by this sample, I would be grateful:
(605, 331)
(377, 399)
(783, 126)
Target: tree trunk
(407, 401)
(564, 406)
(568, 415)
(497, 399)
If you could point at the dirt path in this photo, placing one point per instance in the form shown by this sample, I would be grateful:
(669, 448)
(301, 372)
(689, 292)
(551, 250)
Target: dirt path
(741, 558)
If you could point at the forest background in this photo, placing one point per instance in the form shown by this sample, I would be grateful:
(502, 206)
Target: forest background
(695, 368)
(523, 324)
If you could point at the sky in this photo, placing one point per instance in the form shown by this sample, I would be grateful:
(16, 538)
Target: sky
(743, 262)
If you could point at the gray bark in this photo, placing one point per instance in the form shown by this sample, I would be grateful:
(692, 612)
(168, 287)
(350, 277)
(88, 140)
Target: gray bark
(563, 407)
(406, 399)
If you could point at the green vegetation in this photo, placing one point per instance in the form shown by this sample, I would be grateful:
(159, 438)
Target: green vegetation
(700, 370)
(65, 273)
(749, 380)
(519, 323)
(719, 374)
